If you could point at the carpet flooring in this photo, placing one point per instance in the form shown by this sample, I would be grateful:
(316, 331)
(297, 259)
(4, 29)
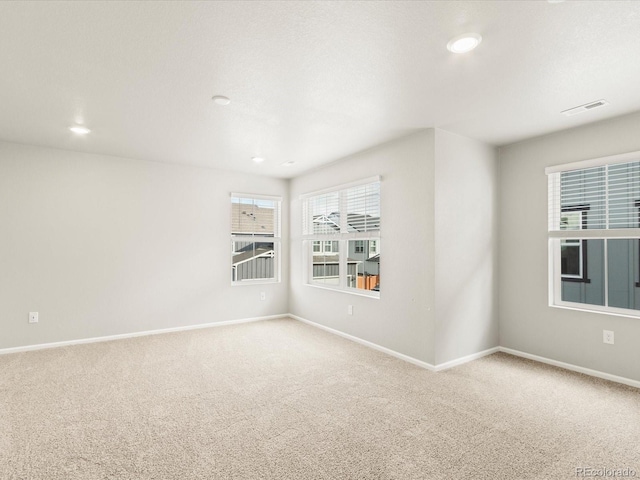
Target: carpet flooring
(283, 400)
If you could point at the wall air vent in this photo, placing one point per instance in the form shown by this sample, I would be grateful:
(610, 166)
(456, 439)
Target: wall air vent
(584, 108)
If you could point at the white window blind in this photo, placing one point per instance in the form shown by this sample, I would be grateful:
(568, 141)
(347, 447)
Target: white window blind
(321, 214)
(353, 209)
(609, 194)
(363, 208)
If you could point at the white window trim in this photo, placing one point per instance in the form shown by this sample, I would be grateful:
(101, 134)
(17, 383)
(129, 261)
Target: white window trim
(276, 240)
(554, 236)
(343, 186)
(274, 198)
(342, 238)
(343, 246)
(594, 162)
(555, 287)
(580, 263)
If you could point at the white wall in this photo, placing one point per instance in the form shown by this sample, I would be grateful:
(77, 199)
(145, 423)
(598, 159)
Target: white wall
(527, 323)
(103, 245)
(402, 319)
(466, 185)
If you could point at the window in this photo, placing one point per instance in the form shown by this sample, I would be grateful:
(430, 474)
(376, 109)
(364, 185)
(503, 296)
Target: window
(341, 236)
(255, 239)
(573, 253)
(327, 246)
(594, 235)
(373, 248)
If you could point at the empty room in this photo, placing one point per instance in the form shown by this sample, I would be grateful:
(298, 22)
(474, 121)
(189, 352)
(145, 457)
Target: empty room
(319, 240)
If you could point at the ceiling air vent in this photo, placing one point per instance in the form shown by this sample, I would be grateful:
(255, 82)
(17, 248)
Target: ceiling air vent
(584, 108)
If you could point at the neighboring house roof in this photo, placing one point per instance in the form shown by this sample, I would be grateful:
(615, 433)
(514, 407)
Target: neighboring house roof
(252, 219)
(375, 258)
(251, 254)
(360, 223)
(356, 222)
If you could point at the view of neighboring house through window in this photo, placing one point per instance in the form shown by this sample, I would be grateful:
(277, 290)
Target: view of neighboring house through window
(574, 260)
(255, 239)
(326, 246)
(342, 237)
(594, 234)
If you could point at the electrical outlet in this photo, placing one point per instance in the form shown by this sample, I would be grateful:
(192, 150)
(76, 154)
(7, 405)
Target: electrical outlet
(263, 295)
(607, 336)
(33, 317)
(350, 309)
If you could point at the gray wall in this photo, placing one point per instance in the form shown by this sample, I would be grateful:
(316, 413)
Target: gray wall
(466, 220)
(103, 245)
(402, 319)
(439, 216)
(527, 323)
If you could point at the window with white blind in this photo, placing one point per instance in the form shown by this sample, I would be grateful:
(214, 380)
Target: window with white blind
(594, 234)
(255, 239)
(341, 237)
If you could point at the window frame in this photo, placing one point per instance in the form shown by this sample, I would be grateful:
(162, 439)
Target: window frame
(583, 276)
(341, 235)
(556, 235)
(638, 207)
(375, 249)
(276, 239)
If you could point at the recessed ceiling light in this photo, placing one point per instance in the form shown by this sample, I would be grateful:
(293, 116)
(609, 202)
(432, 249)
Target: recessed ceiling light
(464, 43)
(289, 163)
(79, 129)
(221, 100)
(258, 159)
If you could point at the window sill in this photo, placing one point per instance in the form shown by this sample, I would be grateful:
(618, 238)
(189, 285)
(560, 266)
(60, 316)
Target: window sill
(605, 310)
(374, 295)
(575, 280)
(254, 282)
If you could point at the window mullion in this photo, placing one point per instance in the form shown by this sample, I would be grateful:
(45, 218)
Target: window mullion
(343, 248)
(606, 198)
(343, 212)
(606, 273)
(344, 244)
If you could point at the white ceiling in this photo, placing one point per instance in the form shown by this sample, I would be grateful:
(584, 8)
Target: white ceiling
(310, 81)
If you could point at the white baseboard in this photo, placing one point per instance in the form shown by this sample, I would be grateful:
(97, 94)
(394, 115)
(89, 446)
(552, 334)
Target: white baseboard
(459, 361)
(121, 336)
(401, 356)
(366, 343)
(467, 358)
(574, 368)
(380, 348)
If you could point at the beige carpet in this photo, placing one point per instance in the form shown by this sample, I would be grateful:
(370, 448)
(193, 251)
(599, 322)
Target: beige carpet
(281, 399)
